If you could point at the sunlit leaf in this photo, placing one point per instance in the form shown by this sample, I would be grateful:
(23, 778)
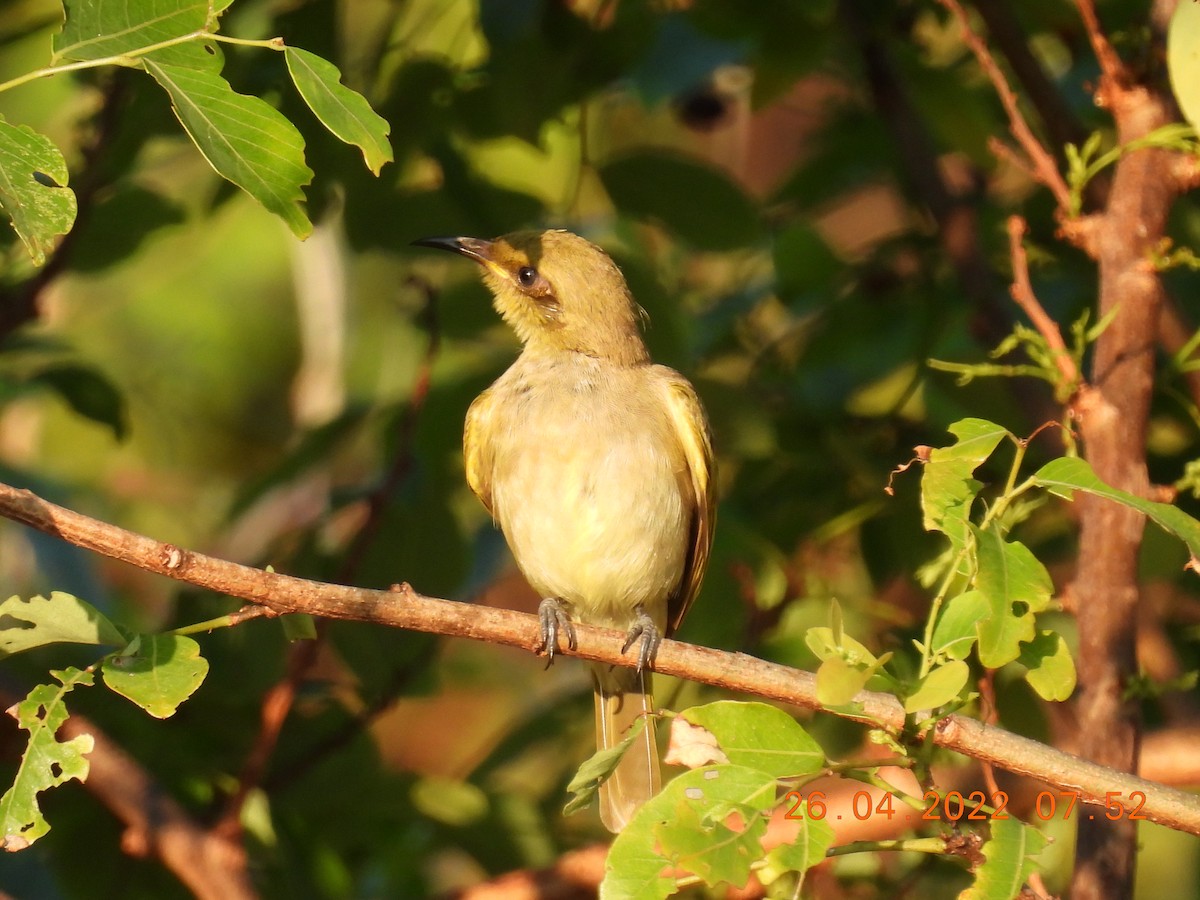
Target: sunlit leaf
(243, 138)
(1008, 861)
(1051, 670)
(955, 632)
(939, 687)
(813, 837)
(947, 488)
(598, 767)
(33, 189)
(1183, 59)
(344, 112)
(759, 736)
(157, 672)
(61, 618)
(687, 822)
(95, 30)
(47, 762)
(1068, 474)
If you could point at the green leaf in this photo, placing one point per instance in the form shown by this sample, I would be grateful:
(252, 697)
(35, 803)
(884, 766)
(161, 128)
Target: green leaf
(1008, 861)
(33, 188)
(115, 27)
(1015, 585)
(947, 488)
(47, 762)
(939, 687)
(686, 820)
(157, 672)
(1183, 59)
(87, 392)
(597, 768)
(759, 736)
(344, 112)
(299, 627)
(806, 850)
(62, 618)
(700, 204)
(711, 850)
(828, 643)
(838, 681)
(1068, 474)
(1050, 669)
(956, 629)
(449, 800)
(243, 138)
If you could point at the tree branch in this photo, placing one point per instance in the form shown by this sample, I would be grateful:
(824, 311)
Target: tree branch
(1045, 169)
(404, 607)
(1022, 293)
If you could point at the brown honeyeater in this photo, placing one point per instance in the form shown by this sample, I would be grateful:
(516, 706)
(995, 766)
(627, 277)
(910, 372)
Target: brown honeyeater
(598, 466)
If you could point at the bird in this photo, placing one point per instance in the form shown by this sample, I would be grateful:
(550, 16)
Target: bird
(598, 466)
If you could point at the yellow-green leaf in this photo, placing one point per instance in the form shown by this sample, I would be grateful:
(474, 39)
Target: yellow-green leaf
(157, 672)
(243, 138)
(33, 189)
(344, 112)
(46, 763)
(61, 618)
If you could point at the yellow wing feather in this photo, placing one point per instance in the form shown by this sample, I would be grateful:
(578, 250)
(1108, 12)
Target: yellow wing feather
(691, 426)
(477, 453)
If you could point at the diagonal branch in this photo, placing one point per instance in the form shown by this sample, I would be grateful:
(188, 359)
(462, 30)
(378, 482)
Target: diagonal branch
(1044, 168)
(403, 607)
(1022, 293)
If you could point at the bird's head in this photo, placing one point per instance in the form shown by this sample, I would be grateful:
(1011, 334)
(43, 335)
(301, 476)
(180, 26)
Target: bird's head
(558, 291)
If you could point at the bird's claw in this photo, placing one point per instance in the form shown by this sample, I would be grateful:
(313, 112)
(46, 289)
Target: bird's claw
(646, 632)
(552, 618)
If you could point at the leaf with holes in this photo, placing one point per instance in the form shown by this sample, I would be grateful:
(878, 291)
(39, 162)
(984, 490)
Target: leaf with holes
(1016, 586)
(33, 189)
(47, 761)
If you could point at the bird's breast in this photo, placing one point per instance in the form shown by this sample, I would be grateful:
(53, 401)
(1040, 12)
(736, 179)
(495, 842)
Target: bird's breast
(588, 486)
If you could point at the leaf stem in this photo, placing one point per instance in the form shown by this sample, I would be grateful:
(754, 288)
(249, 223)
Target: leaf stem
(935, 845)
(131, 57)
(250, 611)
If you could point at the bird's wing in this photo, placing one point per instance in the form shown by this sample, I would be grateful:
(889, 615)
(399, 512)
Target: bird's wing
(477, 451)
(691, 427)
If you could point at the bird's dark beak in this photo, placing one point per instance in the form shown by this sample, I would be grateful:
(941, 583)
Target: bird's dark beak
(475, 248)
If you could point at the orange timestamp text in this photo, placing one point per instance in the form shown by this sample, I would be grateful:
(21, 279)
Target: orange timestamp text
(954, 806)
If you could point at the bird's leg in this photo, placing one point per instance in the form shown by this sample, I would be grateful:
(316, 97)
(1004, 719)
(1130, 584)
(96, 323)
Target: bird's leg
(553, 617)
(645, 631)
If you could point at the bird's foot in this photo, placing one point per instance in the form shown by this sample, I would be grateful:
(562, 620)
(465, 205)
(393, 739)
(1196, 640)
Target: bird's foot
(553, 618)
(645, 632)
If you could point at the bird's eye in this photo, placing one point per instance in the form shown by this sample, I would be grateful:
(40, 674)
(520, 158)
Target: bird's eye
(527, 276)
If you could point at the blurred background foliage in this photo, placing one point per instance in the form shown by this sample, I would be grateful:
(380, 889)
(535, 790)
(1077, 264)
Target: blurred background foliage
(802, 197)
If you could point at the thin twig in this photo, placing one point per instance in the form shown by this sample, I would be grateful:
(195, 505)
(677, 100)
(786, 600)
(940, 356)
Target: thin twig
(403, 607)
(1044, 167)
(1110, 63)
(1022, 293)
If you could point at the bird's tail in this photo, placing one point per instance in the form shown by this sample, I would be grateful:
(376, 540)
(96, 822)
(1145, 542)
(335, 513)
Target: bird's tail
(622, 695)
